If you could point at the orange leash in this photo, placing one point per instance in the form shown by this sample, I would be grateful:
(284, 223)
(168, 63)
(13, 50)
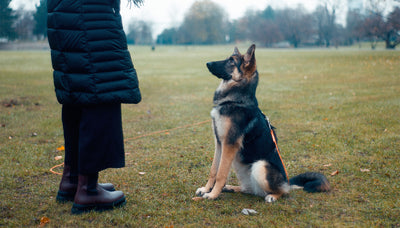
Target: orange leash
(276, 146)
(280, 157)
(54, 172)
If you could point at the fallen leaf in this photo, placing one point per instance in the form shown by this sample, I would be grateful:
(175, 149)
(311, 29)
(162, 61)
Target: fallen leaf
(335, 173)
(43, 221)
(197, 198)
(364, 170)
(328, 165)
(142, 173)
(58, 158)
(61, 148)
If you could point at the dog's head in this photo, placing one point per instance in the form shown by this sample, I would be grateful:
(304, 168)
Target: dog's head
(237, 68)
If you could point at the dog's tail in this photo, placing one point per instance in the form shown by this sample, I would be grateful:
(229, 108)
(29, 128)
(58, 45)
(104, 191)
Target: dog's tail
(310, 182)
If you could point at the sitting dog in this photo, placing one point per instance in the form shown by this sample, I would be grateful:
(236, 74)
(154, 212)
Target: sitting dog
(245, 139)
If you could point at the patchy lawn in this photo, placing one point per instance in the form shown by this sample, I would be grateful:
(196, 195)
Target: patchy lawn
(336, 111)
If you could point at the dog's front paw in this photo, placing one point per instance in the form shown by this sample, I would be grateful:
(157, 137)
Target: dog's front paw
(210, 196)
(270, 199)
(201, 191)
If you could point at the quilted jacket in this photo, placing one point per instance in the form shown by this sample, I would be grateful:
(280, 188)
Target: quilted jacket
(89, 53)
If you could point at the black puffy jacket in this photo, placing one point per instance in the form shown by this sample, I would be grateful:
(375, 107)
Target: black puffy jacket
(89, 53)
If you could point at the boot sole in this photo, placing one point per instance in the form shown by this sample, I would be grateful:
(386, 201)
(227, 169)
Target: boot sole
(63, 197)
(79, 208)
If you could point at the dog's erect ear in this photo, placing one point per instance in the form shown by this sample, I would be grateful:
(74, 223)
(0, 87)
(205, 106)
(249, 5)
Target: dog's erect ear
(236, 51)
(249, 57)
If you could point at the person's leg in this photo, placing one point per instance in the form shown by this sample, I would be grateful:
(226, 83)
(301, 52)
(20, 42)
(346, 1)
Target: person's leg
(71, 117)
(101, 143)
(100, 147)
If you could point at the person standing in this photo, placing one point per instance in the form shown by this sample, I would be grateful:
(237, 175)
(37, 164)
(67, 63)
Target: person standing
(93, 75)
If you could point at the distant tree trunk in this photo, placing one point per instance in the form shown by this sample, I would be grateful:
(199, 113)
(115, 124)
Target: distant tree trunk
(390, 45)
(374, 42)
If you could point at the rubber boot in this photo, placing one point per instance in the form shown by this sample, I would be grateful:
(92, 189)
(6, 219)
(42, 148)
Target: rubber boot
(90, 196)
(69, 185)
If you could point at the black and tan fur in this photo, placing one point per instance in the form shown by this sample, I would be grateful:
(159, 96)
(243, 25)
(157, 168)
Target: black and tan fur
(243, 137)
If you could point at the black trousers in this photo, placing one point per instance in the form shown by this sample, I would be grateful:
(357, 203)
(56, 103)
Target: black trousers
(93, 138)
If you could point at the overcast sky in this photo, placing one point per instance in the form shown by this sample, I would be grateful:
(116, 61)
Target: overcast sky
(169, 13)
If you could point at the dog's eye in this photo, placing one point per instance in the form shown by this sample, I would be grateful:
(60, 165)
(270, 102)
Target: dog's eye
(231, 61)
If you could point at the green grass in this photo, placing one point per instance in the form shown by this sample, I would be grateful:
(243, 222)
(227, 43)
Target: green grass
(333, 109)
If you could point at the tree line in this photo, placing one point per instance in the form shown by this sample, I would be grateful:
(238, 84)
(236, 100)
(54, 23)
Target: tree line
(206, 22)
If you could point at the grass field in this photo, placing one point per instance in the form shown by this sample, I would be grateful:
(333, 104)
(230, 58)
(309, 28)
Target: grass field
(335, 110)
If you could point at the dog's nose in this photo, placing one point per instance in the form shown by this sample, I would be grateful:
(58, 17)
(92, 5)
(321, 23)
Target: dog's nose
(209, 64)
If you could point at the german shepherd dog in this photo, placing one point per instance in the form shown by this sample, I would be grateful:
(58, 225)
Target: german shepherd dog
(245, 139)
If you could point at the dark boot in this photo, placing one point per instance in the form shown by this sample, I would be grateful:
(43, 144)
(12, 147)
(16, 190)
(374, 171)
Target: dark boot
(90, 196)
(69, 185)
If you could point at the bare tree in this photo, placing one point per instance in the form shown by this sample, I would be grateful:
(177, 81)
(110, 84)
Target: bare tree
(373, 28)
(258, 26)
(392, 38)
(139, 32)
(354, 21)
(204, 23)
(24, 24)
(295, 24)
(377, 26)
(325, 16)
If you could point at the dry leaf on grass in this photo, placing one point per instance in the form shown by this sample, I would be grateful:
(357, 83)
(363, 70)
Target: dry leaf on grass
(61, 148)
(58, 158)
(335, 173)
(43, 221)
(364, 170)
(197, 198)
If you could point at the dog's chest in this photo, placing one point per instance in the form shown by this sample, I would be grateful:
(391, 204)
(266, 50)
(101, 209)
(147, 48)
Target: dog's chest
(220, 122)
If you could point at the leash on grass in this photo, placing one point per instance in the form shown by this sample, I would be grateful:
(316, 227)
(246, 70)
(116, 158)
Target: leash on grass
(54, 172)
(142, 136)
